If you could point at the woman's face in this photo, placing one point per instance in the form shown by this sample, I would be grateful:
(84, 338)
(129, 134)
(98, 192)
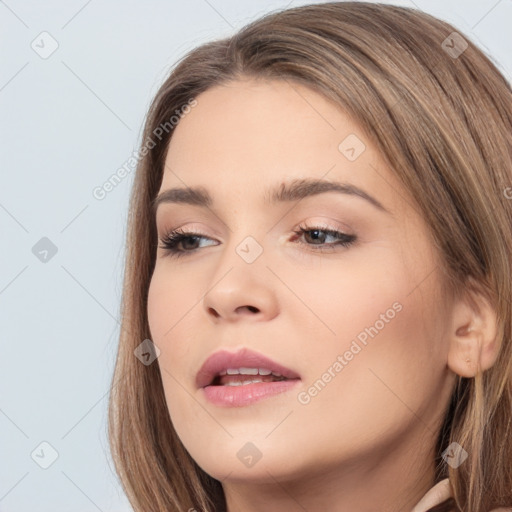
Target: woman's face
(363, 324)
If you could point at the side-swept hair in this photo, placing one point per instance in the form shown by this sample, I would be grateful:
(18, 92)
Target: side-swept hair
(441, 116)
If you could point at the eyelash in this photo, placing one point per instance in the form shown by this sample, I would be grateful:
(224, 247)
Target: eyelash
(174, 238)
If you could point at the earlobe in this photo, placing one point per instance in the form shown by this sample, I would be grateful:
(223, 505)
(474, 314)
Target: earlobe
(473, 344)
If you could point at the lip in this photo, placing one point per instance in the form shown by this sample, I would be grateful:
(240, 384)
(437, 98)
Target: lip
(246, 394)
(222, 360)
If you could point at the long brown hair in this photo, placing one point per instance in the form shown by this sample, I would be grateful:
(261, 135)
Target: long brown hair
(440, 113)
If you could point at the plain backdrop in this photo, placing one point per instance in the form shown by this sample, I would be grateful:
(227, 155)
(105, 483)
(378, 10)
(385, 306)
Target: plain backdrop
(76, 79)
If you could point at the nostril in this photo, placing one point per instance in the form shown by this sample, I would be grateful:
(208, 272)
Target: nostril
(215, 314)
(252, 309)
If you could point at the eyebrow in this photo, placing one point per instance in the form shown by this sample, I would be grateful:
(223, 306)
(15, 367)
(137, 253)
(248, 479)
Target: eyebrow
(294, 191)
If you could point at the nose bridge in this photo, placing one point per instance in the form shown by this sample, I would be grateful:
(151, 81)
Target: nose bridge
(243, 255)
(247, 234)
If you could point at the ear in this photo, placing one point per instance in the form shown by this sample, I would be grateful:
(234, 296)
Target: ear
(473, 346)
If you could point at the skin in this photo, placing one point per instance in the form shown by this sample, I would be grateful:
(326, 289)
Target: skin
(366, 441)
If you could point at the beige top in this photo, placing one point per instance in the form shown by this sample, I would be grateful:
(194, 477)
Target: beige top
(439, 493)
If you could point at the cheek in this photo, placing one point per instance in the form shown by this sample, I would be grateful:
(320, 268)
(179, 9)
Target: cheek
(171, 297)
(382, 318)
(172, 305)
(170, 310)
(341, 299)
(381, 371)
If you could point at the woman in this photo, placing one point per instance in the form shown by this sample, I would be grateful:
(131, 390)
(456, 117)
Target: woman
(338, 335)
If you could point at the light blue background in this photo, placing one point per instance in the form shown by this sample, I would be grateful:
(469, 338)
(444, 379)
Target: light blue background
(68, 122)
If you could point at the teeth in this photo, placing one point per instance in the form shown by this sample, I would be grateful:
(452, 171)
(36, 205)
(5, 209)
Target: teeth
(249, 371)
(243, 383)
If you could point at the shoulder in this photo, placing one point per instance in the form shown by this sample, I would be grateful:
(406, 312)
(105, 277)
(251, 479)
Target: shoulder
(439, 493)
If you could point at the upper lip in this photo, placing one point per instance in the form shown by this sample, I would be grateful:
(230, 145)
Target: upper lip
(244, 358)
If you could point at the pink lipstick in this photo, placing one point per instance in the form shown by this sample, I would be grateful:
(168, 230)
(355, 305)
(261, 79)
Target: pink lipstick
(243, 378)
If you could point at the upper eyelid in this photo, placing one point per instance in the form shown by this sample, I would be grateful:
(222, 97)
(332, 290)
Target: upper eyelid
(329, 224)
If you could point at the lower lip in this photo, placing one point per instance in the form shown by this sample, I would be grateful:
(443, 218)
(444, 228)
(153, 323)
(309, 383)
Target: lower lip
(247, 394)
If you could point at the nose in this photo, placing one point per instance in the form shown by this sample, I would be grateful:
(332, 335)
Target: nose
(241, 292)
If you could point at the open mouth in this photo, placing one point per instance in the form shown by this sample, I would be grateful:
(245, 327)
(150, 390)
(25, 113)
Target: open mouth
(241, 379)
(242, 368)
(228, 382)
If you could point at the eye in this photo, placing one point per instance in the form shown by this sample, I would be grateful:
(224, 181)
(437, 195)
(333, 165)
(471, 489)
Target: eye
(319, 234)
(172, 240)
(188, 240)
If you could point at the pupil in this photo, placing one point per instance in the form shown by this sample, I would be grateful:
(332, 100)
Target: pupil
(191, 239)
(314, 234)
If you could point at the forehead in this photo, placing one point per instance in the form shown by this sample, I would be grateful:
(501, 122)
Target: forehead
(248, 136)
(251, 122)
